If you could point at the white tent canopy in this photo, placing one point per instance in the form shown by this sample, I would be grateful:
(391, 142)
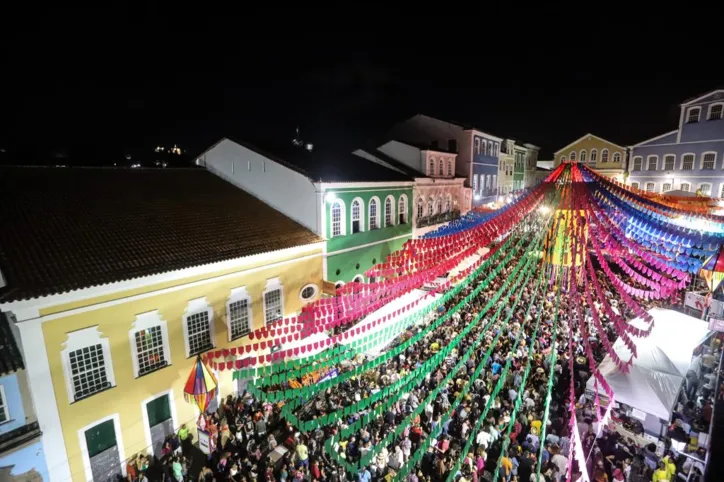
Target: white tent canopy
(658, 371)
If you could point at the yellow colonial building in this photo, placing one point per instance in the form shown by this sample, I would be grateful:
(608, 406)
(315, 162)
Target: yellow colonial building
(604, 156)
(117, 279)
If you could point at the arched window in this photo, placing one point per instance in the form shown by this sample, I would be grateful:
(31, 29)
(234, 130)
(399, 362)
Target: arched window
(604, 155)
(430, 207)
(402, 210)
(448, 203)
(594, 155)
(420, 208)
(374, 214)
(573, 156)
(685, 186)
(441, 166)
(475, 183)
(450, 167)
(337, 225)
(563, 159)
(431, 167)
(389, 211)
(357, 218)
(583, 156)
(616, 157)
(485, 148)
(438, 205)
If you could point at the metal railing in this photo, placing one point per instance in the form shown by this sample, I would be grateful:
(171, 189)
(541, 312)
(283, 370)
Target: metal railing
(434, 219)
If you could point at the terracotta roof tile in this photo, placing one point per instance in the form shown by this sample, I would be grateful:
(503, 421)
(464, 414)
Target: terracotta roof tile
(72, 228)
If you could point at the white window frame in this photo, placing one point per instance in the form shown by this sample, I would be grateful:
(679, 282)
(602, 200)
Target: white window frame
(77, 340)
(572, 157)
(342, 218)
(420, 208)
(430, 206)
(616, 157)
(703, 154)
(239, 294)
(604, 155)
(146, 421)
(653, 189)
(636, 159)
(313, 297)
(475, 183)
(635, 184)
(721, 190)
(145, 321)
(448, 203)
(693, 161)
(272, 284)
(391, 211)
(193, 307)
(4, 407)
(654, 158)
(583, 155)
(689, 112)
(664, 184)
(594, 155)
(688, 186)
(374, 200)
(563, 159)
(119, 443)
(450, 170)
(361, 215)
(402, 209)
(358, 278)
(701, 185)
(438, 205)
(711, 106)
(477, 145)
(431, 166)
(339, 284)
(673, 165)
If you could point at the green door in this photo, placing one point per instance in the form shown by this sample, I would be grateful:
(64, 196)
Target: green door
(103, 451)
(160, 422)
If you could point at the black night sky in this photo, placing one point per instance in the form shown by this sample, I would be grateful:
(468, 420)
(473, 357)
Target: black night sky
(93, 85)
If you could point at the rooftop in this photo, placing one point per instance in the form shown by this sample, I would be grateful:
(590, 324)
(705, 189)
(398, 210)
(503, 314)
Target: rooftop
(66, 229)
(321, 165)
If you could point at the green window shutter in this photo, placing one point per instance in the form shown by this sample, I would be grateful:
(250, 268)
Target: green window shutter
(159, 410)
(100, 438)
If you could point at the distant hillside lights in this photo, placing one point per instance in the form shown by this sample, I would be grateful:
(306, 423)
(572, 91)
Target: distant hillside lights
(173, 150)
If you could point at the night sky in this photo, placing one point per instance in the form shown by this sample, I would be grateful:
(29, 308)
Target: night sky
(94, 85)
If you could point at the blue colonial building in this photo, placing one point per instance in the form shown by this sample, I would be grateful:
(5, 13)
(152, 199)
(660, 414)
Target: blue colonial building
(22, 458)
(690, 158)
(478, 152)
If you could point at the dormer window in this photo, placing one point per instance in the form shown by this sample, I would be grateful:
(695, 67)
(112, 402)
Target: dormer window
(715, 111)
(693, 115)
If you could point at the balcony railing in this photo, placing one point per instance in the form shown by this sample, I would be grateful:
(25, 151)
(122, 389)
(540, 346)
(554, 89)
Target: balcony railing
(434, 219)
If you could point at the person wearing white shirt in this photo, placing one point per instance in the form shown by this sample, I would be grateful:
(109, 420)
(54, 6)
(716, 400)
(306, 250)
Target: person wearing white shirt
(483, 439)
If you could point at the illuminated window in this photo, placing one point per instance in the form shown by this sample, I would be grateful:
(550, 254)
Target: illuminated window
(336, 219)
(402, 210)
(149, 342)
(273, 301)
(705, 188)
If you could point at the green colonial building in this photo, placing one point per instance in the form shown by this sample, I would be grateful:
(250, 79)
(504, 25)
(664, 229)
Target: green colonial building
(362, 208)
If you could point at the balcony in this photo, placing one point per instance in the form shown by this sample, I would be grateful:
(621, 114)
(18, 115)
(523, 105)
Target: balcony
(426, 221)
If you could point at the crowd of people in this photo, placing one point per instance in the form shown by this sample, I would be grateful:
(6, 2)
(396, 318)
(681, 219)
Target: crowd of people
(252, 442)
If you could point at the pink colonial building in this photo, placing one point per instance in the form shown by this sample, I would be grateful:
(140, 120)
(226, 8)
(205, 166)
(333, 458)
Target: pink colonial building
(438, 196)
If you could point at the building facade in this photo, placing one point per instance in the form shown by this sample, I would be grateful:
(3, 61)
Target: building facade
(477, 151)
(438, 196)
(362, 209)
(516, 166)
(114, 303)
(22, 457)
(597, 153)
(690, 158)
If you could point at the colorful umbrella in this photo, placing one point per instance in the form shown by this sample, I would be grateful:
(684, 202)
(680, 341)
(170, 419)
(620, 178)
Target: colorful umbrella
(201, 385)
(713, 270)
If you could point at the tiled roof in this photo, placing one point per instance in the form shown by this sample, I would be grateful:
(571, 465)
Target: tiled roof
(67, 229)
(10, 357)
(324, 165)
